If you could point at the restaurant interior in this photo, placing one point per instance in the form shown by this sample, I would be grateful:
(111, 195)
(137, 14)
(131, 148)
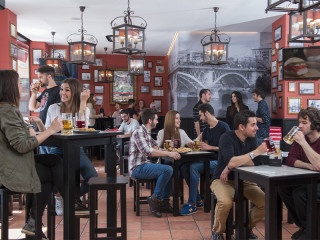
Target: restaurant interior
(164, 52)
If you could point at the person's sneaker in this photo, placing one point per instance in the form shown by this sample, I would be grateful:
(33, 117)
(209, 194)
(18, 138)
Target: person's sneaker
(298, 233)
(200, 204)
(154, 204)
(217, 236)
(59, 205)
(251, 235)
(165, 207)
(29, 228)
(188, 209)
(80, 209)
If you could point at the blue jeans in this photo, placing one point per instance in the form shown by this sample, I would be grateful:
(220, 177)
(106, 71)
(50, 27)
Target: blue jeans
(87, 169)
(156, 171)
(196, 169)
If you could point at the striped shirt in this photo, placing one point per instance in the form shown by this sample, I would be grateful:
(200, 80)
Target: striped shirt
(140, 148)
(196, 118)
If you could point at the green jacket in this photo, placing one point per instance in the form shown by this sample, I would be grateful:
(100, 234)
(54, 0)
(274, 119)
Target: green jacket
(17, 168)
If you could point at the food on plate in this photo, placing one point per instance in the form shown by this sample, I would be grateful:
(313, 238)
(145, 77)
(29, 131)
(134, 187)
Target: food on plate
(184, 150)
(86, 129)
(295, 66)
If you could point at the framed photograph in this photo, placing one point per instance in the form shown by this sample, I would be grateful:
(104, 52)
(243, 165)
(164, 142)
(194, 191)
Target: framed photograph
(280, 73)
(86, 86)
(280, 102)
(149, 65)
(85, 67)
(159, 61)
(278, 34)
(280, 55)
(144, 89)
(314, 103)
(96, 75)
(158, 104)
(13, 30)
(306, 88)
(146, 76)
(157, 93)
(98, 89)
(274, 102)
(273, 66)
(292, 86)
(99, 100)
(158, 81)
(36, 55)
(13, 50)
(273, 51)
(62, 53)
(274, 82)
(99, 62)
(123, 88)
(294, 105)
(36, 71)
(86, 76)
(159, 69)
(14, 64)
(280, 88)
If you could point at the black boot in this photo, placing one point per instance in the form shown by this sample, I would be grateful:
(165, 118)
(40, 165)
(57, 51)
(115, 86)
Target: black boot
(154, 204)
(165, 207)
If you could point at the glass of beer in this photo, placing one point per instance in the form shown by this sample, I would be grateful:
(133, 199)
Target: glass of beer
(80, 120)
(270, 145)
(196, 145)
(67, 123)
(289, 137)
(167, 144)
(36, 86)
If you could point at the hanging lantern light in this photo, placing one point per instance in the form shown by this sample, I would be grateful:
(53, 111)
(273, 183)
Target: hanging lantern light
(83, 51)
(292, 5)
(215, 45)
(53, 61)
(106, 75)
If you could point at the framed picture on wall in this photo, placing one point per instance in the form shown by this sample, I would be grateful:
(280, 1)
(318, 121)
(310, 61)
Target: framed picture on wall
(274, 102)
(96, 75)
(99, 100)
(280, 88)
(280, 102)
(146, 76)
(306, 88)
(158, 81)
(274, 82)
(14, 64)
(149, 65)
(13, 50)
(98, 89)
(86, 76)
(274, 66)
(62, 53)
(280, 73)
(85, 67)
(292, 86)
(159, 61)
(159, 69)
(99, 62)
(294, 105)
(13, 30)
(144, 89)
(273, 51)
(123, 88)
(314, 103)
(157, 93)
(158, 104)
(280, 55)
(36, 55)
(278, 34)
(86, 86)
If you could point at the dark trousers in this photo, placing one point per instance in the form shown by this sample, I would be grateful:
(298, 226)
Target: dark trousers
(295, 199)
(50, 171)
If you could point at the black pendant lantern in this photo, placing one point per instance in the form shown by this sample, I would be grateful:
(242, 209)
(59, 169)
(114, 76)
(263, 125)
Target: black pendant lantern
(106, 75)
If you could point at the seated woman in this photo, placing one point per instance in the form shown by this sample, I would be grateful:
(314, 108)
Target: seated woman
(236, 106)
(116, 115)
(21, 171)
(73, 100)
(141, 106)
(91, 105)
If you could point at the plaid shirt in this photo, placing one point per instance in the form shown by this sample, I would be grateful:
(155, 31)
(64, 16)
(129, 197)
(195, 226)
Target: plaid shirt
(140, 148)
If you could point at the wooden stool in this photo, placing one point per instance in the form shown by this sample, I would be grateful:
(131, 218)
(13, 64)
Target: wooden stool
(137, 198)
(104, 183)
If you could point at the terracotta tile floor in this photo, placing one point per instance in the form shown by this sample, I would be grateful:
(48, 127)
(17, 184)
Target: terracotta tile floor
(146, 226)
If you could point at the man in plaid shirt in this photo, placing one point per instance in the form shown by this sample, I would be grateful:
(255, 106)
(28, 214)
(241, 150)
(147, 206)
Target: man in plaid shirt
(141, 149)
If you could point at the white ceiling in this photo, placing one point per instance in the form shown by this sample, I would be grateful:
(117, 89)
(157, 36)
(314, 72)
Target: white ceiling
(38, 18)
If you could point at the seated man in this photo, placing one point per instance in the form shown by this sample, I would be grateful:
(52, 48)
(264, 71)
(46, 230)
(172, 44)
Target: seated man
(210, 141)
(304, 153)
(142, 148)
(237, 148)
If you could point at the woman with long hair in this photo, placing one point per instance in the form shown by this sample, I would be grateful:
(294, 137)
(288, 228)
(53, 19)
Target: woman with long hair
(237, 105)
(116, 115)
(22, 171)
(141, 105)
(73, 100)
(91, 105)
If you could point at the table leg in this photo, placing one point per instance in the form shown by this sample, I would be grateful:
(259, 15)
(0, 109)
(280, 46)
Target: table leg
(121, 149)
(207, 200)
(238, 183)
(175, 189)
(312, 210)
(273, 222)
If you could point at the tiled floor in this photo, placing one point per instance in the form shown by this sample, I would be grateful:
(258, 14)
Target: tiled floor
(146, 226)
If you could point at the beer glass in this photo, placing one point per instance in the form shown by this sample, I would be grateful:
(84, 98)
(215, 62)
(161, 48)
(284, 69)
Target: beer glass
(167, 144)
(36, 86)
(80, 120)
(196, 145)
(67, 123)
(289, 137)
(176, 143)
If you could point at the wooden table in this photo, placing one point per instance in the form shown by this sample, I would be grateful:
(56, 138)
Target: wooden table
(272, 177)
(191, 157)
(70, 145)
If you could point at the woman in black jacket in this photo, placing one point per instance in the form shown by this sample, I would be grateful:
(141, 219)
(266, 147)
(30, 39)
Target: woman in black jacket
(236, 106)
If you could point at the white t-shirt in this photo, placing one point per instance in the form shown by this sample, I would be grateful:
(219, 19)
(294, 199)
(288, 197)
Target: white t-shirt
(129, 128)
(184, 138)
(54, 111)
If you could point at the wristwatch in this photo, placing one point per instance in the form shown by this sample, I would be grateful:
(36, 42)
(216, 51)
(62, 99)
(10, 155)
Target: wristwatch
(252, 155)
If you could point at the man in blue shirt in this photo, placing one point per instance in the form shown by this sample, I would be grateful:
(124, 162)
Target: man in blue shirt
(262, 115)
(210, 141)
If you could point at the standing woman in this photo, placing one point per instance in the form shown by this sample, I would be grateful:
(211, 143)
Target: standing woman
(236, 106)
(141, 106)
(91, 105)
(20, 170)
(116, 115)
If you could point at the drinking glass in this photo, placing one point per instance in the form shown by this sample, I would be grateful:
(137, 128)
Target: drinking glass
(168, 144)
(270, 145)
(196, 145)
(67, 123)
(80, 120)
(36, 86)
(176, 143)
(289, 137)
